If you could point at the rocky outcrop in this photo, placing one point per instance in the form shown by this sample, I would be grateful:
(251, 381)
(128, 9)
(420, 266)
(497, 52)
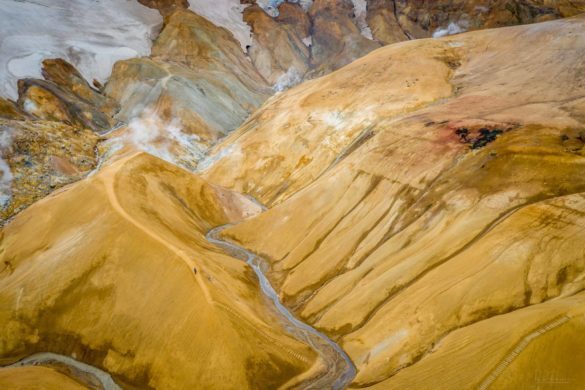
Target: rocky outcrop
(336, 39)
(63, 74)
(65, 96)
(421, 19)
(45, 100)
(196, 43)
(336, 35)
(38, 157)
(295, 43)
(295, 17)
(428, 215)
(197, 75)
(10, 110)
(381, 18)
(278, 51)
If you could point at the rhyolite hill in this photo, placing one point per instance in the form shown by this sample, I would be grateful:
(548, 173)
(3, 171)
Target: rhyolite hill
(418, 201)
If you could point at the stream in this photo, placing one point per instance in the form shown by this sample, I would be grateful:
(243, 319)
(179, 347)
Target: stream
(92, 377)
(340, 369)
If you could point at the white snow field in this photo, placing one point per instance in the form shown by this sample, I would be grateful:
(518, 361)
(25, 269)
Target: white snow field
(226, 14)
(91, 34)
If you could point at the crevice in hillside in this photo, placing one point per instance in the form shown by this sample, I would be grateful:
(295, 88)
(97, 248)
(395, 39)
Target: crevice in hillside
(342, 268)
(317, 316)
(395, 10)
(398, 289)
(311, 227)
(361, 139)
(300, 297)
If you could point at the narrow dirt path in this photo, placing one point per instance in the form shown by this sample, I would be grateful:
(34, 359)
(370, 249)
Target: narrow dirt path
(109, 180)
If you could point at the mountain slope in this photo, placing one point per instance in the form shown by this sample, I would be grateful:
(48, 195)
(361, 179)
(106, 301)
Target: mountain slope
(425, 206)
(120, 275)
(23, 378)
(296, 136)
(433, 219)
(197, 75)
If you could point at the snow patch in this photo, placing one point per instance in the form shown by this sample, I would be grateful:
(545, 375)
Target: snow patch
(90, 34)
(306, 4)
(226, 14)
(452, 28)
(271, 6)
(289, 79)
(308, 41)
(360, 12)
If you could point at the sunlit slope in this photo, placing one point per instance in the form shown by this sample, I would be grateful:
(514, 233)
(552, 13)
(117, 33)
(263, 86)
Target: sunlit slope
(297, 135)
(464, 212)
(36, 377)
(115, 270)
(511, 74)
(539, 346)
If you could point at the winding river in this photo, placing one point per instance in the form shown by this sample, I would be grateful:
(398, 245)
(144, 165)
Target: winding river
(340, 369)
(90, 376)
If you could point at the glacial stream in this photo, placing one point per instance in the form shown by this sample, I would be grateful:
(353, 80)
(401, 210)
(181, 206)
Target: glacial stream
(90, 376)
(340, 369)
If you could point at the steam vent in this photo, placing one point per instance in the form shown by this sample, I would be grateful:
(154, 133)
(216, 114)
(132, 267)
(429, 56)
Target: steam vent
(292, 194)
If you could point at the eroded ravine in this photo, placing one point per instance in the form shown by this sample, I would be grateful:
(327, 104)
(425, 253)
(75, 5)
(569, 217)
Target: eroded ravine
(340, 370)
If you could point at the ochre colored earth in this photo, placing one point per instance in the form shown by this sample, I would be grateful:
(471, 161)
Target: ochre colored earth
(419, 201)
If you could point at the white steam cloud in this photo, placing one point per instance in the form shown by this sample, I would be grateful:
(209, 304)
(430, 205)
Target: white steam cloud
(150, 134)
(289, 79)
(452, 28)
(210, 160)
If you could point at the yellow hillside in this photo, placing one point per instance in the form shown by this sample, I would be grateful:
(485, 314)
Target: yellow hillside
(116, 270)
(444, 227)
(36, 377)
(425, 210)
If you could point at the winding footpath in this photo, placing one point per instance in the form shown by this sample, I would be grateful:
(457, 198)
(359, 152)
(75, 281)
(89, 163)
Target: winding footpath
(340, 369)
